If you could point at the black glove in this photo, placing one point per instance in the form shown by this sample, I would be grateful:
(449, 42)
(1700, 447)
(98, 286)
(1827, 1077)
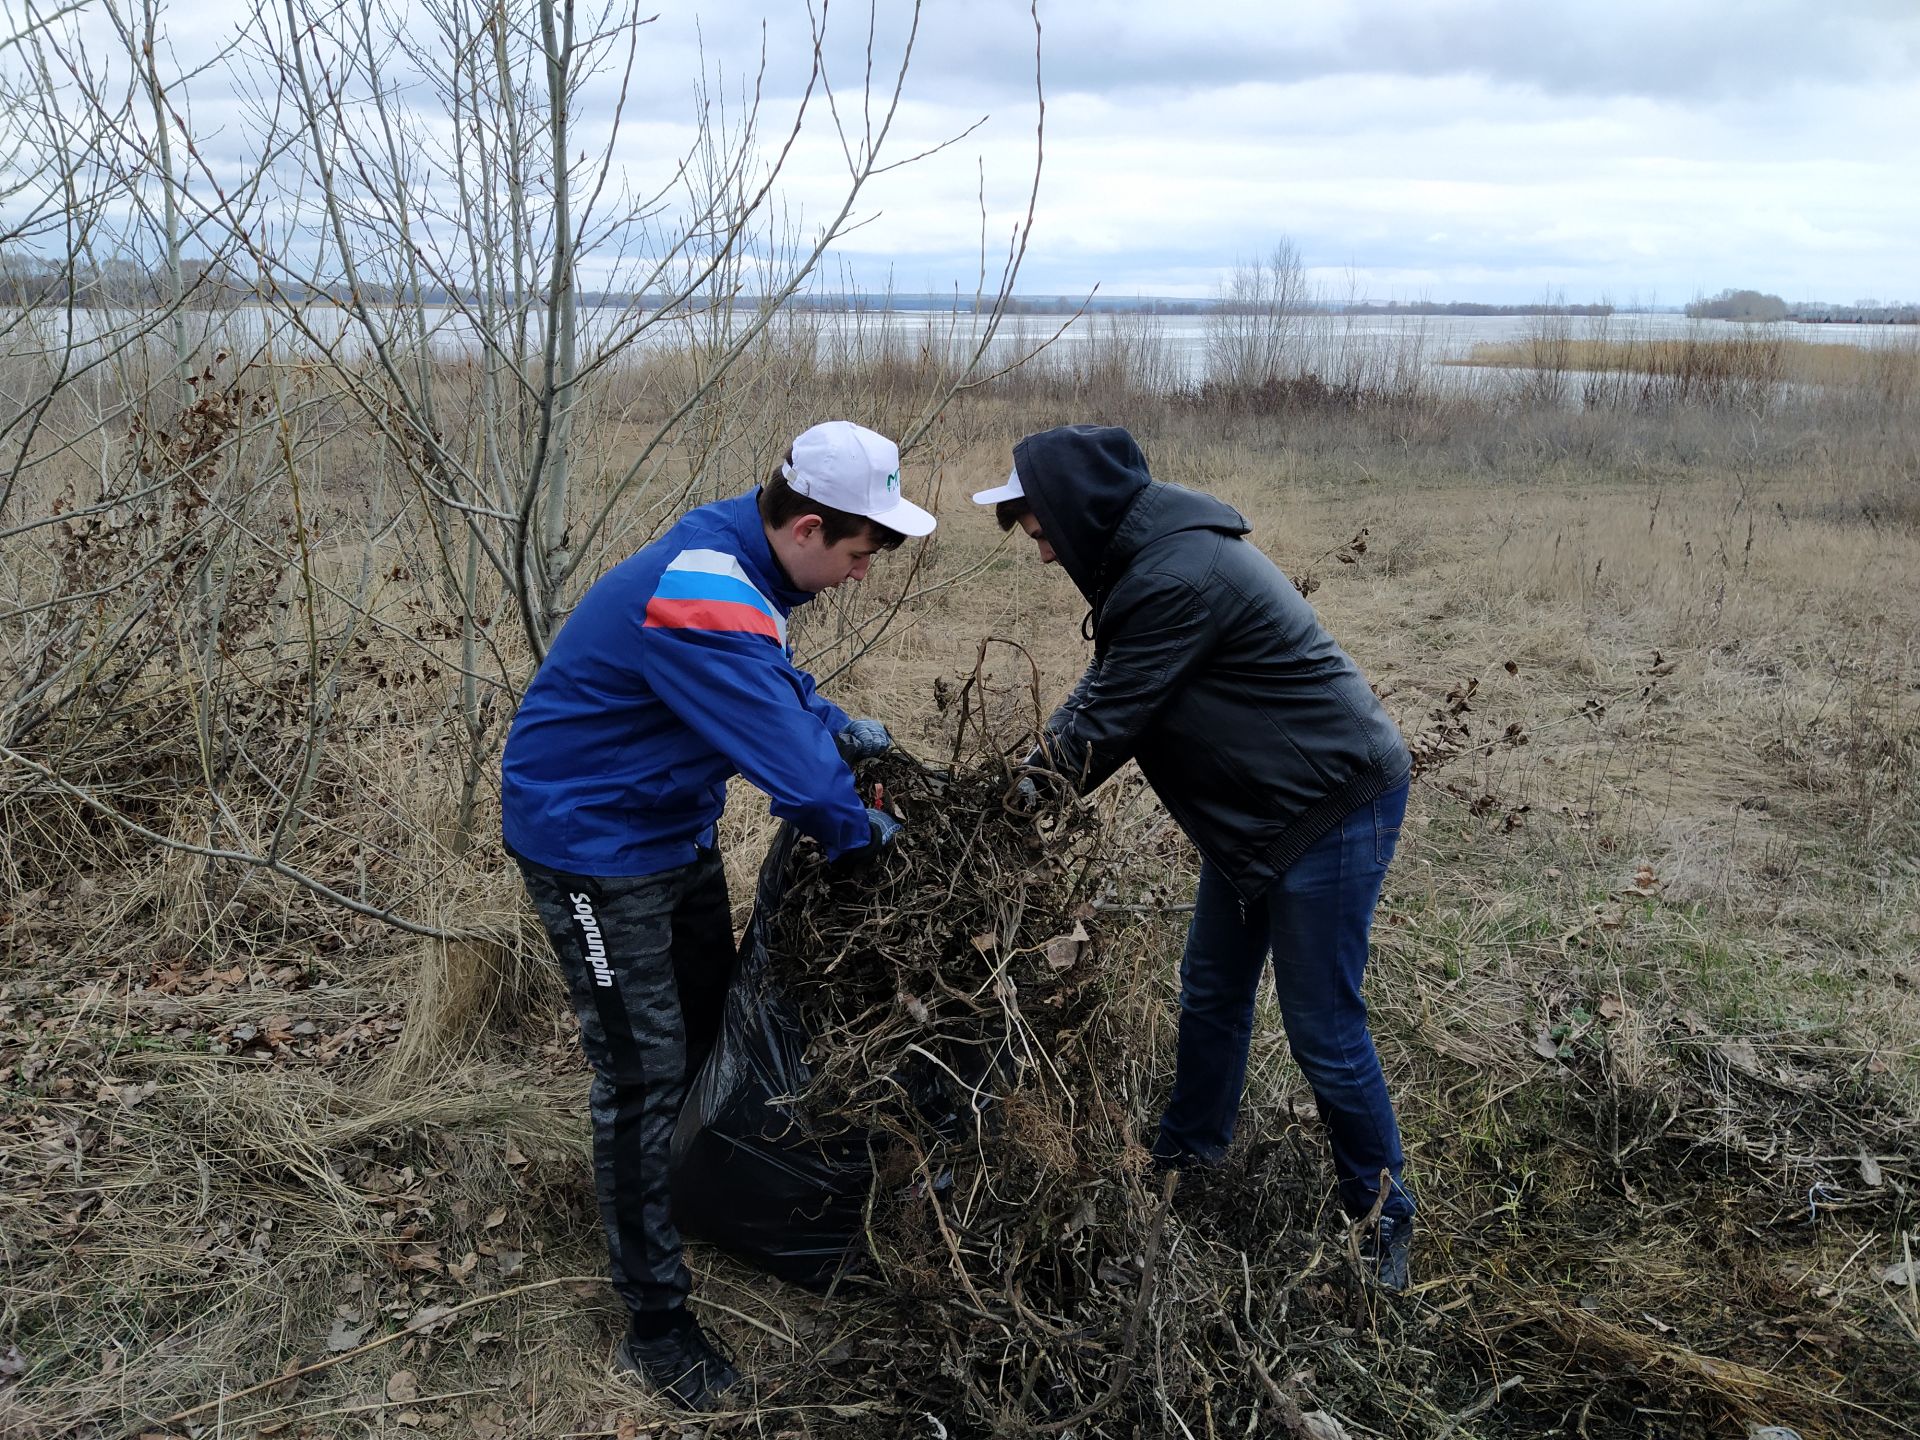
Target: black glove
(1025, 797)
(883, 831)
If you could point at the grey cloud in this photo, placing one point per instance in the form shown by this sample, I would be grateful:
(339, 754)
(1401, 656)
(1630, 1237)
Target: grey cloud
(1660, 48)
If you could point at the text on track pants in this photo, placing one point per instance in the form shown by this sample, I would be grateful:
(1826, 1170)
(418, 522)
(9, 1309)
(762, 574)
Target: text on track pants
(647, 961)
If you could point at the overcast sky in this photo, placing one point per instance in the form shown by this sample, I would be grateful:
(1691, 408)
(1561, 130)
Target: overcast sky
(1502, 150)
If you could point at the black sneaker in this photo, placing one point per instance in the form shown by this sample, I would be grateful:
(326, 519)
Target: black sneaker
(682, 1364)
(1386, 1254)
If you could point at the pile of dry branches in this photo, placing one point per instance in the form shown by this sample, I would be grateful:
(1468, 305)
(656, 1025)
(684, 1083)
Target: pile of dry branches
(962, 1013)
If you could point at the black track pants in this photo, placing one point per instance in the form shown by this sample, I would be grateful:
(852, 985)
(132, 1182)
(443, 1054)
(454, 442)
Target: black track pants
(647, 960)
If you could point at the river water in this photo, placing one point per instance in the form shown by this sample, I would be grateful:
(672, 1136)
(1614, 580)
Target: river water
(1160, 351)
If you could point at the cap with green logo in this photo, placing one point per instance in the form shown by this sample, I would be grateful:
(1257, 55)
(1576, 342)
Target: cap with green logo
(854, 469)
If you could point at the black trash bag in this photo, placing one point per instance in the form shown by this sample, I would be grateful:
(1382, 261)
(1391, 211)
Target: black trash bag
(750, 1175)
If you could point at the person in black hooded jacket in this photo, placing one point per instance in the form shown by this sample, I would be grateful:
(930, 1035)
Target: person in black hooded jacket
(1265, 742)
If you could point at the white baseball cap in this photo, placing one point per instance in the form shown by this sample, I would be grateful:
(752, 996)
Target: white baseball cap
(854, 469)
(1012, 490)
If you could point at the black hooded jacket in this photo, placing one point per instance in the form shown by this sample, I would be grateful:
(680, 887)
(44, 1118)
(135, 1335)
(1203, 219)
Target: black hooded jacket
(1255, 729)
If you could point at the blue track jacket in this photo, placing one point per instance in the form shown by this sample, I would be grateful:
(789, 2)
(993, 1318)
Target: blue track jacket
(671, 676)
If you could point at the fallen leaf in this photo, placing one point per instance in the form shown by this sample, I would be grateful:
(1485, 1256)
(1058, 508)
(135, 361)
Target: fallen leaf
(495, 1218)
(464, 1268)
(287, 1384)
(1870, 1175)
(985, 942)
(1063, 950)
(1907, 1272)
(510, 1261)
(403, 1386)
(12, 1364)
(427, 1259)
(1657, 1323)
(427, 1317)
(1611, 1007)
(344, 1336)
(1082, 1219)
(1545, 1046)
(514, 1157)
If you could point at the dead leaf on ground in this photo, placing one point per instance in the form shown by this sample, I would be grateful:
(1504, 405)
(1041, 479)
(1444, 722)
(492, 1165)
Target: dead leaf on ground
(427, 1317)
(287, 1384)
(403, 1386)
(1645, 884)
(1907, 1272)
(1064, 950)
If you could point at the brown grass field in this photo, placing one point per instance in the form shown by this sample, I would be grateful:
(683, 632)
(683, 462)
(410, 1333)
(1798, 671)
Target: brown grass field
(1708, 367)
(1647, 974)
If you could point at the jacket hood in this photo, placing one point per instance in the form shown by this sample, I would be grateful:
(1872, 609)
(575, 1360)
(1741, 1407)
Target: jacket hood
(1098, 506)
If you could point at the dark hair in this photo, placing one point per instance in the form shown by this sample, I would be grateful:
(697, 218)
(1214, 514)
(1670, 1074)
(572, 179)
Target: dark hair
(781, 505)
(1008, 512)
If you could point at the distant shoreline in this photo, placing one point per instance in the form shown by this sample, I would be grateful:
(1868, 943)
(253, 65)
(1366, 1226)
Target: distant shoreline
(1020, 306)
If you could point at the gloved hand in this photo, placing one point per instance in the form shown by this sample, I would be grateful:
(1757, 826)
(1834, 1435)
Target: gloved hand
(883, 831)
(862, 740)
(1024, 799)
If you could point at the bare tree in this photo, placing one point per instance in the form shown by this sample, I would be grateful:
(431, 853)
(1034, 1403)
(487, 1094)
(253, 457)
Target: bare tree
(481, 359)
(1255, 332)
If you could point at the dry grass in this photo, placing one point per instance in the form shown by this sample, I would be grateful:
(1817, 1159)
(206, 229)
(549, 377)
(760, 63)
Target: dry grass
(1646, 984)
(1745, 369)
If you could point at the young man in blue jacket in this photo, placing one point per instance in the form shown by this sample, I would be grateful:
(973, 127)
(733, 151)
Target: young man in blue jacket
(672, 675)
(1268, 747)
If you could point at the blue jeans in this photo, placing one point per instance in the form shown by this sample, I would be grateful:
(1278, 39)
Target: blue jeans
(1314, 922)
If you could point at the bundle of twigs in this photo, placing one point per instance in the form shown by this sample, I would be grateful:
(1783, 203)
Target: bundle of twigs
(962, 1013)
(965, 943)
